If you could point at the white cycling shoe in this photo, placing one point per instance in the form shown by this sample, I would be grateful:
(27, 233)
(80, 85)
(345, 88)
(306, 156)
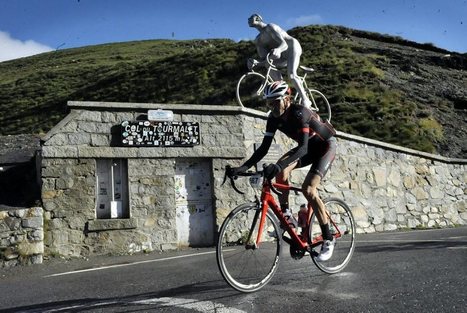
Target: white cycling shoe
(326, 250)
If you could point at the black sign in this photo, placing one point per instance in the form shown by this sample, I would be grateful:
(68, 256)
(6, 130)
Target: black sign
(160, 134)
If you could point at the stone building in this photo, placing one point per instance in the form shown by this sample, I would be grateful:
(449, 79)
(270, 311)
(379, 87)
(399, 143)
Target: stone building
(21, 231)
(127, 177)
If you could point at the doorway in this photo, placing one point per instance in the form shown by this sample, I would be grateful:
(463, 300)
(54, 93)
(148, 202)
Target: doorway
(194, 203)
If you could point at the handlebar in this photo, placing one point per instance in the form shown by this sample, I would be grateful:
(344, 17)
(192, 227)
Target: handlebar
(232, 179)
(269, 60)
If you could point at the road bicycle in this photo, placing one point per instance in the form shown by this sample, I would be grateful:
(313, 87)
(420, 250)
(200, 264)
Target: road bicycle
(251, 85)
(250, 238)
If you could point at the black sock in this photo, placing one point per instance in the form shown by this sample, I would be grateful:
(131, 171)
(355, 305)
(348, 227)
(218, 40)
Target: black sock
(284, 207)
(325, 231)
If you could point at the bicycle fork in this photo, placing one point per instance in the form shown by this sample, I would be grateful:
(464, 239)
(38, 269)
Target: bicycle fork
(253, 246)
(261, 216)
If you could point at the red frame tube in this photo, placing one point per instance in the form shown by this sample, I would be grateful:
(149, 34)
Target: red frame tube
(267, 200)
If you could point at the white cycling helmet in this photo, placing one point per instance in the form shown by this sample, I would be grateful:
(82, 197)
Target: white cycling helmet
(276, 90)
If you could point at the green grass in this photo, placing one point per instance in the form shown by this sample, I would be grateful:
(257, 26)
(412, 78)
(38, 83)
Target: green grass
(35, 90)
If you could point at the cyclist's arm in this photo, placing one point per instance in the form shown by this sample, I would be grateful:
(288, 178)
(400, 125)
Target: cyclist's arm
(263, 149)
(300, 152)
(276, 33)
(259, 153)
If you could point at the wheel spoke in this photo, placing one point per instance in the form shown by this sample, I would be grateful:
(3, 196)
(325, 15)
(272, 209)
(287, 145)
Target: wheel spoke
(247, 269)
(342, 224)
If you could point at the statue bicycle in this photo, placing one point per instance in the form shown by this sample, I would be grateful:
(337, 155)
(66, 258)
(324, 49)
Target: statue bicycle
(251, 85)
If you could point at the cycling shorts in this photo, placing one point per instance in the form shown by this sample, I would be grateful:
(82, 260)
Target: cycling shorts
(320, 155)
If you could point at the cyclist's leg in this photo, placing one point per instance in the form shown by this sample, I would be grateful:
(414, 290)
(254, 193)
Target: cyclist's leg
(321, 163)
(294, 53)
(283, 178)
(310, 191)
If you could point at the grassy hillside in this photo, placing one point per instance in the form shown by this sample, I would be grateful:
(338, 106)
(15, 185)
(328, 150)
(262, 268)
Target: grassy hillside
(380, 87)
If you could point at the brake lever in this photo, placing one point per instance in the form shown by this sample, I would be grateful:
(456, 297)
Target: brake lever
(232, 180)
(227, 168)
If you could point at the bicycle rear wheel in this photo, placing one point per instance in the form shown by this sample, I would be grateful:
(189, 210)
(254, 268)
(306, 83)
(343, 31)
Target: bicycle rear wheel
(245, 267)
(319, 103)
(342, 226)
(250, 89)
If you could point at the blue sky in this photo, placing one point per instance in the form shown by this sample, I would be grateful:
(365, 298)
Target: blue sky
(32, 26)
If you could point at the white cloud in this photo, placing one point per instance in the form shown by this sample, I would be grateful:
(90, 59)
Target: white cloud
(305, 20)
(11, 48)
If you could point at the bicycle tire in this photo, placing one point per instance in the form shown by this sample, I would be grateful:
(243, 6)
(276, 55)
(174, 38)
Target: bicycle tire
(250, 89)
(248, 270)
(319, 103)
(341, 214)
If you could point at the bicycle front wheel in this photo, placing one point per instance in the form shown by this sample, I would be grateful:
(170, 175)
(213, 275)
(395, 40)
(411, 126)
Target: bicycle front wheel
(250, 89)
(342, 226)
(245, 266)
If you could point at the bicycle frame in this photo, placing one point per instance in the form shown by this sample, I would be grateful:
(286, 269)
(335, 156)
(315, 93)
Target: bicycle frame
(270, 67)
(268, 201)
(267, 78)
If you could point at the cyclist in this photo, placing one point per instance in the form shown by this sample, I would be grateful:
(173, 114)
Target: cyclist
(283, 47)
(316, 146)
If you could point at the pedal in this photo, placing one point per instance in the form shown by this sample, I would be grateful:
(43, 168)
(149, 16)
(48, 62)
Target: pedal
(313, 253)
(287, 239)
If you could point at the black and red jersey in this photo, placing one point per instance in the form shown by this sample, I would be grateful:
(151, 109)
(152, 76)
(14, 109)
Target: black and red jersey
(302, 125)
(297, 120)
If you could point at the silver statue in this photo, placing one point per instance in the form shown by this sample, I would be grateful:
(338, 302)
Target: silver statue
(284, 49)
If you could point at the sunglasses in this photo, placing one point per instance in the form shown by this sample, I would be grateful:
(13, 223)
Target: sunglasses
(273, 103)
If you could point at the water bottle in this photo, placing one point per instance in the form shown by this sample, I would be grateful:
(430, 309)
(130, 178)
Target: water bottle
(302, 216)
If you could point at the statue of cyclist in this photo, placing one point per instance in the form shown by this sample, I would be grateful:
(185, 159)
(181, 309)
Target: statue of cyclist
(316, 146)
(285, 49)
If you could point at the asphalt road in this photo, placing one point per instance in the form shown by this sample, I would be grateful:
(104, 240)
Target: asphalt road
(414, 271)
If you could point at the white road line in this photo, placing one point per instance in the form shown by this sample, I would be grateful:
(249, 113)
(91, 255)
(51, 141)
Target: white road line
(202, 306)
(129, 264)
(191, 304)
(210, 252)
(79, 306)
(457, 248)
(402, 240)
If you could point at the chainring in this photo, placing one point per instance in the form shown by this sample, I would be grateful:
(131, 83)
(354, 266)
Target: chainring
(296, 253)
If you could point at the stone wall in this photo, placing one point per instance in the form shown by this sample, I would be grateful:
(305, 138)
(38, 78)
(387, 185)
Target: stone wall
(387, 187)
(21, 236)
(389, 190)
